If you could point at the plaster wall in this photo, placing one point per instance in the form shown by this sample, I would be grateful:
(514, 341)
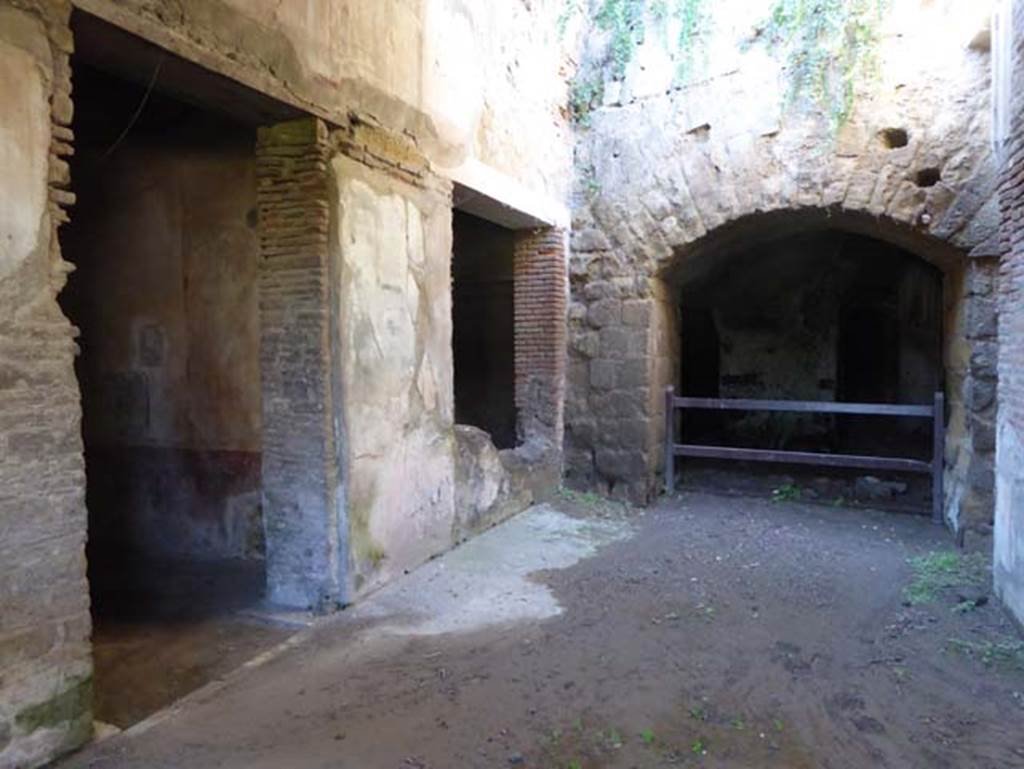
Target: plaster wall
(475, 85)
(393, 247)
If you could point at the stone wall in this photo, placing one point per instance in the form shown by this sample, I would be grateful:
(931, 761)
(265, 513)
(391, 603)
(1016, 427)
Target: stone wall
(670, 173)
(45, 666)
(1009, 528)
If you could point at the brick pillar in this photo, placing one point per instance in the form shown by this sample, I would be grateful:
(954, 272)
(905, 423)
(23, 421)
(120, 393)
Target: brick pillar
(1008, 561)
(540, 335)
(303, 498)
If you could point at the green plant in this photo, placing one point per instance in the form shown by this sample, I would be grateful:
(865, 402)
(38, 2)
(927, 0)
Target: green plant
(581, 497)
(612, 739)
(647, 735)
(624, 20)
(937, 571)
(965, 606)
(1006, 653)
(698, 747)
(786, 493)
(625, 23)
(828, 45)
(691, 14)
(585, 94)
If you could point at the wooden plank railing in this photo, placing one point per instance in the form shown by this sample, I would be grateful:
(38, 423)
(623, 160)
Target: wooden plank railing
(935, 412)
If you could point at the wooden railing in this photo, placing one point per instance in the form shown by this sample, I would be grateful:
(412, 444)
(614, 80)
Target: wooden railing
(934, 412)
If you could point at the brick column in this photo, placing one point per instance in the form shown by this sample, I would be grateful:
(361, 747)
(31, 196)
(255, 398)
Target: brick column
(1008, 561)
(540, 335)
(303, 499)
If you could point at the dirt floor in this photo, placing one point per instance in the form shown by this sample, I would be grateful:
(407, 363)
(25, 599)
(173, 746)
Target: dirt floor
(162, 629)
(707, 632)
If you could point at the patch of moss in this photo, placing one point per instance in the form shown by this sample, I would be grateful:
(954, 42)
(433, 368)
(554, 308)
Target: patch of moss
(365, 550)
(937, 571)
(67, 705)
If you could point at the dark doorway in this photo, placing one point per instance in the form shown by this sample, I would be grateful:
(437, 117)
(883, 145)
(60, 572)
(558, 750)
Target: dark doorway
(164, 243)
(483, 320)
(700, 376)
(827, 316)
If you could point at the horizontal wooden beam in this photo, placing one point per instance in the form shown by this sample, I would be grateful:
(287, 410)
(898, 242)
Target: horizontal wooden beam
(897, 464)
(809, 407)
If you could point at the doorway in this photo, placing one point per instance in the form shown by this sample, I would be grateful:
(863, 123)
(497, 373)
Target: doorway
(164, 240)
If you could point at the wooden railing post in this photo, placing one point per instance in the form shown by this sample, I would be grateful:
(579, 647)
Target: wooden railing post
(938, 457)
(670, 441)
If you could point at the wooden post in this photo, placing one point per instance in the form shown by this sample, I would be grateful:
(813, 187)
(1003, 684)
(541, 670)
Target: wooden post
(938, 457)
(670, 441)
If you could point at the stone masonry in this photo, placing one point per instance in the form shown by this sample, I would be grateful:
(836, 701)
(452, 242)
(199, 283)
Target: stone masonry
(1009, 528)
(45, 664)
(670, 174)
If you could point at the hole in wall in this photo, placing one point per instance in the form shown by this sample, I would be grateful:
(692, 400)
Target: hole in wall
(927, 177)
(894, 138)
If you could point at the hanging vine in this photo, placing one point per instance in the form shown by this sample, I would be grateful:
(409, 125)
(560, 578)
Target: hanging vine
(828, 47)
(625, 23)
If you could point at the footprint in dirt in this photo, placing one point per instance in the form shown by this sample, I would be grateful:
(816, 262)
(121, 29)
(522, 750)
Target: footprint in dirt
(792, 658)
(851, 705)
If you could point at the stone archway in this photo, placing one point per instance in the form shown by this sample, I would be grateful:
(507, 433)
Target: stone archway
(672, 166)
(624, 338)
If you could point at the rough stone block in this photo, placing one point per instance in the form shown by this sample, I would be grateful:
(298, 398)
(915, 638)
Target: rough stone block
(636, 312)
(586, 343)
(604, 374)
(620, 465)
(605, 312)
(634, 373)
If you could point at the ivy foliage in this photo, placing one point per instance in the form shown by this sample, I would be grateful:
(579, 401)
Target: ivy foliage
(625, 23)
(828, 46)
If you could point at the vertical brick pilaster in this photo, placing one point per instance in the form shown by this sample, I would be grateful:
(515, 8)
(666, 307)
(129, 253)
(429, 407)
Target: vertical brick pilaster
(1008, 561)
(1011, 283)
(540, 334)
(302, 495)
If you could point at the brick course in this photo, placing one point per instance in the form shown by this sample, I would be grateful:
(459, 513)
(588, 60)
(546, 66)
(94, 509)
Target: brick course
(1011, 323)
(1008, 566)
(301, 464)
(540, 334)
